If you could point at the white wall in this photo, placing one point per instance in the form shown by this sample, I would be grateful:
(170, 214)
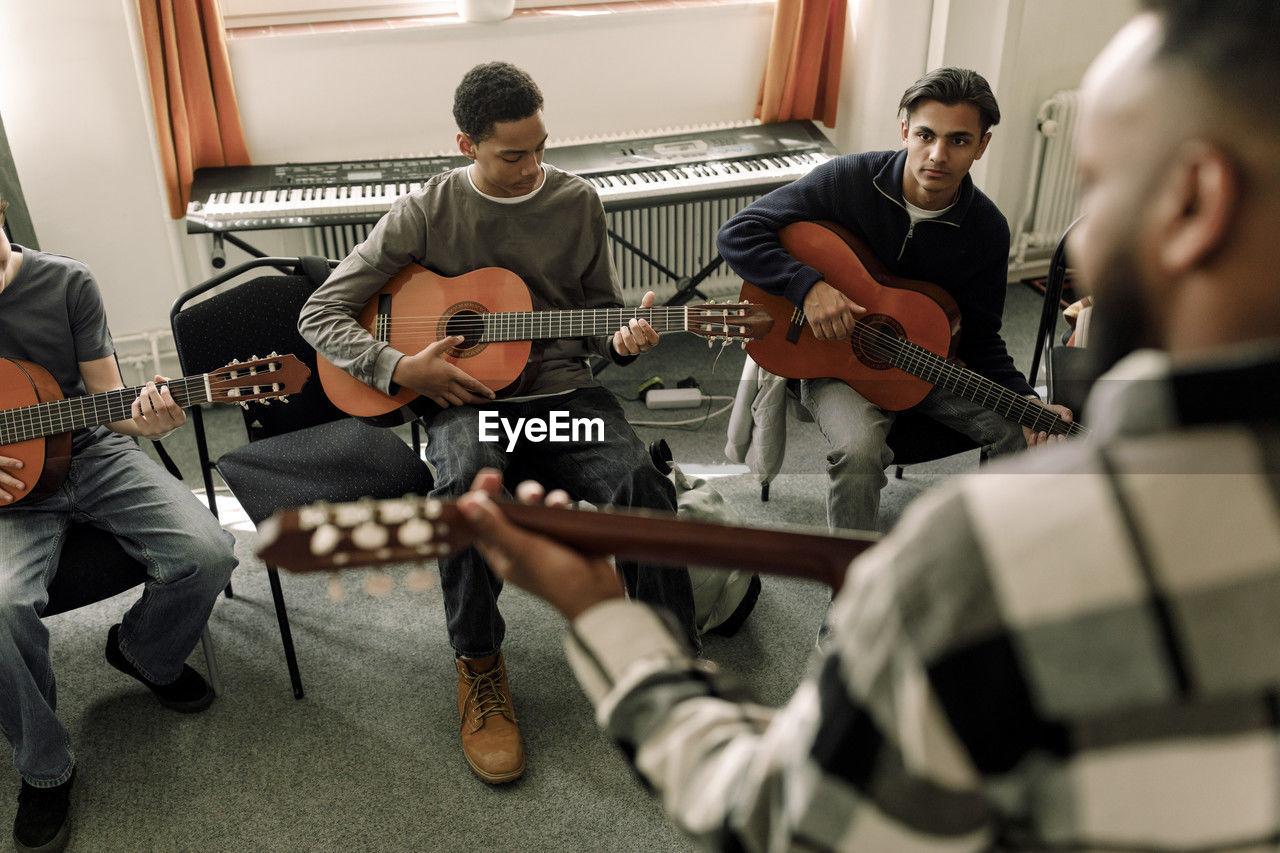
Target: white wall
(1027, 50)
(82, 144)
(76, 109)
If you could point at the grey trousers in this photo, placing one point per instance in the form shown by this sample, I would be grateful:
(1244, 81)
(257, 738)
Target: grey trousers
(858, 453)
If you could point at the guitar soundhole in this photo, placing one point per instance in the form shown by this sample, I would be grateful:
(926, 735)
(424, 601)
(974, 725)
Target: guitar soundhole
(875, 340)
(467, 320)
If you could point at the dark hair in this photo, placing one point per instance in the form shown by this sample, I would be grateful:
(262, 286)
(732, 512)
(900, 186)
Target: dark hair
(493, 92)
(1231, 45)
(951, 85)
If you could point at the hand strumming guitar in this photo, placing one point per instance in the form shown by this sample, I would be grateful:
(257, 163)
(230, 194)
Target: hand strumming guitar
(831, 314)
(431, 375)
(9, 468)
(637, 336)
(568, 581)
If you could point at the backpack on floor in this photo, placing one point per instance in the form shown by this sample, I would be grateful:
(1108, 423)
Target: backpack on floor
(722, 600)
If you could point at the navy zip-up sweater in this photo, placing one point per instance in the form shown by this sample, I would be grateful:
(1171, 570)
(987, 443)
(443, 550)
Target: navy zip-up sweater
(965, 251)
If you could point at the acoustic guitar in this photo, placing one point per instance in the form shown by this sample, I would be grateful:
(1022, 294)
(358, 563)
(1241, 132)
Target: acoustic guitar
(325, 537)
(36, 420)
(491, 309)
(899, 350)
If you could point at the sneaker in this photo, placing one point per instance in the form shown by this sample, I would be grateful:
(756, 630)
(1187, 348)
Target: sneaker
(490, 736)
(188, 693)
(41, 825)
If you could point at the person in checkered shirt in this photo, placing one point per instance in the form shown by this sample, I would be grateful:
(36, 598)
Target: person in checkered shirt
(1078, 649)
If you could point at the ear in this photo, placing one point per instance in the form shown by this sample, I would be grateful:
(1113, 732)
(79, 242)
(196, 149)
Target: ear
(466, 146)
(1201, 196)
(906, 126)
(982, 145)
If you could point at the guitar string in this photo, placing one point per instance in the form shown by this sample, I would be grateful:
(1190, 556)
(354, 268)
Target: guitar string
(63, 415)
(73, 412)
(933, 368)
(928, 365)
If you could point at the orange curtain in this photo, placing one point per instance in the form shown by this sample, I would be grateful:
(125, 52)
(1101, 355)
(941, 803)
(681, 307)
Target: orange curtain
(802, 72)
(197, 118)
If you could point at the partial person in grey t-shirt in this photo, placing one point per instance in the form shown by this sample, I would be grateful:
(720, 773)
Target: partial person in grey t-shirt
(507, 209)
(52, 319)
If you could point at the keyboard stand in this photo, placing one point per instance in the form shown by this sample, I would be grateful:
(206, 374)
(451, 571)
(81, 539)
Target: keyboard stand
(686, 286)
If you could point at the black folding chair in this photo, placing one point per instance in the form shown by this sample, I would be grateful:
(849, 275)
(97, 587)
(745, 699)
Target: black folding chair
(913, 438)
(1069, 372)
(298, 452)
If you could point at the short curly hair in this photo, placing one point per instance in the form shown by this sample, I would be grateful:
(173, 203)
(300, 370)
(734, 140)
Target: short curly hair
(493, 92)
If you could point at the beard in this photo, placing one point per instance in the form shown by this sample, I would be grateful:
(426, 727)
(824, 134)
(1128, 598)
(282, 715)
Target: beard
(1121, 322)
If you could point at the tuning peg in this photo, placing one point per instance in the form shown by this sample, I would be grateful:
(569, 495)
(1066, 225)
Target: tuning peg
(325, 538)
(312, 516)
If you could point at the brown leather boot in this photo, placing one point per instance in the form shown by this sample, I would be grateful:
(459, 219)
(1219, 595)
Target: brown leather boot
(490, 736)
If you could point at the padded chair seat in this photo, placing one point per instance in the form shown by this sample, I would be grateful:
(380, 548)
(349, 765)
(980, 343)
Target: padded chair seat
(281, 471)
(94, 566)
(916, 438)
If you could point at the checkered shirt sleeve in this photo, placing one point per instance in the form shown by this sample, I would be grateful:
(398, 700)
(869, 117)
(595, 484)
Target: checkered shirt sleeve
(1030, 659)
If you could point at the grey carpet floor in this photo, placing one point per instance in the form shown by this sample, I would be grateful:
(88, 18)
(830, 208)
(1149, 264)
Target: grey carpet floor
(369, 759)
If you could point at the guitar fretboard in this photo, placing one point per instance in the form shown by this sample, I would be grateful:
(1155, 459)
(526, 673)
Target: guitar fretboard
(58, 416)
(581, 323)
(577, 323)
(928, 365)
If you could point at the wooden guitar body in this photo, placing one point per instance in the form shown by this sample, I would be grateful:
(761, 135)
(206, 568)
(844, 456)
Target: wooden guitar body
(917, 311)
(45, 460)
(491, 308)
(418, 307)
(36, 421)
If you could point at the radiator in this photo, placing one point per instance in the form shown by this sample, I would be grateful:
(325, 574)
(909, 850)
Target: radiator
(680, 238)
(1053, 194)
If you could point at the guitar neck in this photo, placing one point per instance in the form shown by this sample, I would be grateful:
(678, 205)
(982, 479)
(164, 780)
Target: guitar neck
(807, 555)
(963, 382)
(325, 537)
(579, 323)
(72, 413)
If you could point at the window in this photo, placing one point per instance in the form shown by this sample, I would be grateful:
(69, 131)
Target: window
(264, 13)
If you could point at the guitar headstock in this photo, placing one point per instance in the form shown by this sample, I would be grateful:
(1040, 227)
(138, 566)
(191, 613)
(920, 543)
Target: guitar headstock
(741, 321)
(264, 379)
(323, 537)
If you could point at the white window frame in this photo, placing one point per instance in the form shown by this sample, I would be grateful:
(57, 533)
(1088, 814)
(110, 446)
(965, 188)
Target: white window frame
(264, 13)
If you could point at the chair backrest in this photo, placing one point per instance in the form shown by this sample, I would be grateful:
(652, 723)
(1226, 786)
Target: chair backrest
(1052, 306)
(251, 319)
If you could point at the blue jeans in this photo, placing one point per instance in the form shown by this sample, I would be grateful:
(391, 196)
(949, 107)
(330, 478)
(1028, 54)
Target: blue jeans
(160, 522)
(857, 432)
(616, 471)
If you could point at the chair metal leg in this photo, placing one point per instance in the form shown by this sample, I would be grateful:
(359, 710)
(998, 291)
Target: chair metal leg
(764, 491)
(211, 661)
(286, 636)
(897, 472)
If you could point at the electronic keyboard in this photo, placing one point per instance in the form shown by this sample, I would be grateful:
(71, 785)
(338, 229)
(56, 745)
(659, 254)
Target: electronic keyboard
(628, 173)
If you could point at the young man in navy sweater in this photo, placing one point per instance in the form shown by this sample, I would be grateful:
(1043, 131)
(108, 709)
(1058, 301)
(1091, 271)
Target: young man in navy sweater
(920, 214)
